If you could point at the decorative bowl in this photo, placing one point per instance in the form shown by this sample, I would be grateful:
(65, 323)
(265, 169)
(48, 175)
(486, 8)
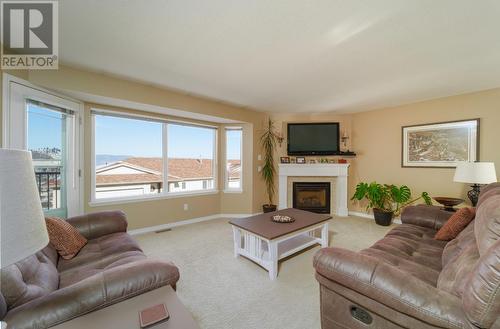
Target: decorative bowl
(282, 219)
(448, 203)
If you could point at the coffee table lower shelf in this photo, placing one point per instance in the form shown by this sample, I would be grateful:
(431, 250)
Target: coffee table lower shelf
(267, 252)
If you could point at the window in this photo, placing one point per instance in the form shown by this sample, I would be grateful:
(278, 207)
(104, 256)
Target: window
(137, 157)
(128, 157)
(191, 158)
(234, 138)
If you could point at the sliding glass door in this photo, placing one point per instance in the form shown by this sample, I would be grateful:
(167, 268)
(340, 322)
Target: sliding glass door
(48, 126)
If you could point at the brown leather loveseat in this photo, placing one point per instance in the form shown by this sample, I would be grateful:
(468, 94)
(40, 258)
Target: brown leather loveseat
(45, 289)
(410, 280)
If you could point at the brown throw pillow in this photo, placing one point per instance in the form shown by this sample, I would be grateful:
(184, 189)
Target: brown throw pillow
(64, 237)
(455, 224)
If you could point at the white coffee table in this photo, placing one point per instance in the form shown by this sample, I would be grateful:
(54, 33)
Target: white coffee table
(266, 242)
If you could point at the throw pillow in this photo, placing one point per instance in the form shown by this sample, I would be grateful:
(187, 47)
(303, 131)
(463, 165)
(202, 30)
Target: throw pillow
(455, 224)
(64, 237)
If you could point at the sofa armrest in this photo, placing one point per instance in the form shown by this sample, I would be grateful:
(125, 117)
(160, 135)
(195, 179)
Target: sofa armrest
(427, 216)
(390, 286)
(97, 224)
(96, 292)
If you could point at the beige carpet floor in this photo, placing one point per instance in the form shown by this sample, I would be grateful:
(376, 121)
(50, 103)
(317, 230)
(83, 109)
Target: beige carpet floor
(223, 292)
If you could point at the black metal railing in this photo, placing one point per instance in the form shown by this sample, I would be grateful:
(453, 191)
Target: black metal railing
(49, 188)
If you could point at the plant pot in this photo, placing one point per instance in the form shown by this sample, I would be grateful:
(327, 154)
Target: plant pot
(268, 208)
(383, 217)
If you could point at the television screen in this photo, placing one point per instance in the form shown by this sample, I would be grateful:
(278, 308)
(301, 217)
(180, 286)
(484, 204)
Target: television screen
(313, 138)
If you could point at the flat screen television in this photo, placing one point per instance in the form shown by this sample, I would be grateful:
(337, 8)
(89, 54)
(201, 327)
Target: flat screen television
(313, 138)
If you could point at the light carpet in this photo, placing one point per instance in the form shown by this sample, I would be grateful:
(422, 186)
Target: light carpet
(223, 292)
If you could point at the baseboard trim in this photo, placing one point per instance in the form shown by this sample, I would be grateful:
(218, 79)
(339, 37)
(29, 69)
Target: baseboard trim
(396, 220)
(166, 226)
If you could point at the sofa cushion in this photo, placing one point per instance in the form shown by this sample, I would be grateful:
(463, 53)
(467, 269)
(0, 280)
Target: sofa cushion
(29, 279)
(64, 237)
(97, 250)
(481, 297)
(455, 224)
(487, 223)
(411, 249)
(457, 245)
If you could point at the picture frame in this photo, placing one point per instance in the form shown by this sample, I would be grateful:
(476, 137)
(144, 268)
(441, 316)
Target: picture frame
(301, 160)
(285, 159)
(440, 144)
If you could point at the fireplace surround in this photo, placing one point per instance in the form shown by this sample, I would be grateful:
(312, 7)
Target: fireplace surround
(312, 196)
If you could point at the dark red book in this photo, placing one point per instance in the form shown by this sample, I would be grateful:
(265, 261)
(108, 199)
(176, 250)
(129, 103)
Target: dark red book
(153, 315)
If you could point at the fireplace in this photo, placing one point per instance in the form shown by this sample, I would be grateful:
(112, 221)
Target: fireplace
(312, 196)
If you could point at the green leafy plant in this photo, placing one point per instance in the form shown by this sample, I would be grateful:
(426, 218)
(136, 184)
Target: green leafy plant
(268, 141)
(388, 198)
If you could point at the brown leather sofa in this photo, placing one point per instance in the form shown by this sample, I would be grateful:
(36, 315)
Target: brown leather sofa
(410, 280)
(44, 290)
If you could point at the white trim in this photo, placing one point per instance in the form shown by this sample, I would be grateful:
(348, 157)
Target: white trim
(63, 102)
(396, 220)
(146, 198)
(233, 190)
(166, 226)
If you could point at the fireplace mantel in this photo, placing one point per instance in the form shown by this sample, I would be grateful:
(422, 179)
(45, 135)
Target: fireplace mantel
(338, 170)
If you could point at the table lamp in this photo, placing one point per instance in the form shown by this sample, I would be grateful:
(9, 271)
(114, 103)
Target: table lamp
(22, 224)
(475, 173)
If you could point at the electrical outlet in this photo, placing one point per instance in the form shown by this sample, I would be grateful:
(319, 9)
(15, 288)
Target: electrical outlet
(259, 168)
(186, 206)
(259, 157)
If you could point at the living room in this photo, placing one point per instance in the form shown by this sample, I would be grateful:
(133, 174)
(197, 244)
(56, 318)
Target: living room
(164, 133)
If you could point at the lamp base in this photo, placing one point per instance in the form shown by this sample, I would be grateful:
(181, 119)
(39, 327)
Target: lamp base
(474, 194)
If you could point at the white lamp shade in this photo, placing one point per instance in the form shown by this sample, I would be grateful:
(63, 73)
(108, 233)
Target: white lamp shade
(22, 223)
(475, 173)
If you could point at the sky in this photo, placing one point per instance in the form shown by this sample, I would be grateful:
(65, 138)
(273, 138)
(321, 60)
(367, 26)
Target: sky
(123, 136)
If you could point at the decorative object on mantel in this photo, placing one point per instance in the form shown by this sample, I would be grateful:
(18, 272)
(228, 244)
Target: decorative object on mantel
(312, 161)
(292, 160)
(448, 203)
(282, 219)
(344, 140)
(301, 160)
(342, 161)
(477, 174)
(386, 200)
(441, 144)
(285, 159)
(331, 161)
(268, 141)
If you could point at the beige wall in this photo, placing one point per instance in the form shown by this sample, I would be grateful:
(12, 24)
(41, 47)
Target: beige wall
(377, 141)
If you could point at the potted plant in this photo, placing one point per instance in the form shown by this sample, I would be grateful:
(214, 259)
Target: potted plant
(386, 200)
(268, 141)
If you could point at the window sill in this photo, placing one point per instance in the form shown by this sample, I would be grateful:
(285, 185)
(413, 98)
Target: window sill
(233, 191)
(113, 201)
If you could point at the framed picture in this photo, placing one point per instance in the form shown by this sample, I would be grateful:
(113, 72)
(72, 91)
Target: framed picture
(440, 144)
(285, 159)
(301, 160)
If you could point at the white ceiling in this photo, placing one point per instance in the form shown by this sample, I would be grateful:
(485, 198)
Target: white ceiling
(291, 55)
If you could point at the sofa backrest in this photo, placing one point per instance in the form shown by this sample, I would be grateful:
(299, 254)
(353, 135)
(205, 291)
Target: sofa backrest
(31, 278)
(481, 297)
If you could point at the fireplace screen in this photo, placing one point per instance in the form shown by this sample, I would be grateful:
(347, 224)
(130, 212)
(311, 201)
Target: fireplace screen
(312, 196)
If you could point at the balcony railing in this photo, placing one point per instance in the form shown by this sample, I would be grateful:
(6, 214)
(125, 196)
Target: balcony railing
(49, 188)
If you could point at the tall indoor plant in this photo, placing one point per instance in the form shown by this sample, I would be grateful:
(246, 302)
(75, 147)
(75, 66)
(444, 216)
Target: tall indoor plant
(268, 141)
(386, 200)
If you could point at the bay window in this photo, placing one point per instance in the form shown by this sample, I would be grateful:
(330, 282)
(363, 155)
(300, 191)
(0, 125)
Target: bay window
(137, 157)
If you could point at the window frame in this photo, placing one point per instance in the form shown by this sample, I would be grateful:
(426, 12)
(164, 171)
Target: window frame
(228, 189)
(165, 194)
